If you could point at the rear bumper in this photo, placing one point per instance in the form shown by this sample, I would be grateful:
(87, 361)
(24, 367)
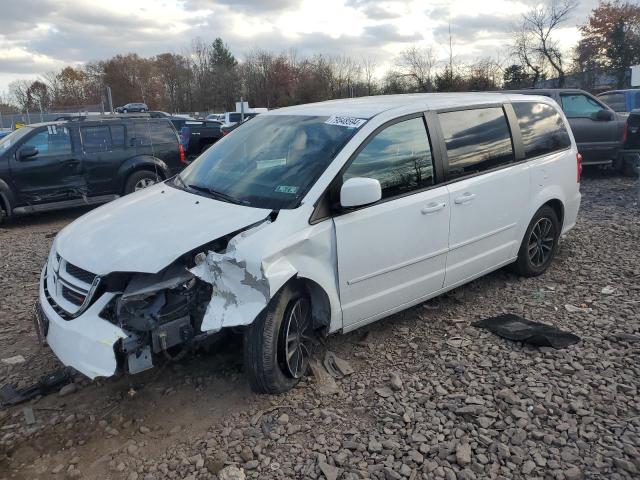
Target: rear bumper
(571, 208)
(85, 343)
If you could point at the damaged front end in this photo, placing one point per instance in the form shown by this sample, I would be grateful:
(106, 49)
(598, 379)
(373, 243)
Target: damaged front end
(129, 320)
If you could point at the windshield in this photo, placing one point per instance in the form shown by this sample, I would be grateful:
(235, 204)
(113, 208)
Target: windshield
(269, 162)
(13, 137)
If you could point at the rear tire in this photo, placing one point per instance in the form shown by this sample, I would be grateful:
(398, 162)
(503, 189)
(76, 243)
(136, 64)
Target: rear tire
(631, 168)
(140, 180)
(540, 243)
(270, 348)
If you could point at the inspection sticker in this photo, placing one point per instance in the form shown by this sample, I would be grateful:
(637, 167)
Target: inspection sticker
(286, 189)
(349, 122)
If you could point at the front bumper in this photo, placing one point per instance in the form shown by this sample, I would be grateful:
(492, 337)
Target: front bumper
(85, 343)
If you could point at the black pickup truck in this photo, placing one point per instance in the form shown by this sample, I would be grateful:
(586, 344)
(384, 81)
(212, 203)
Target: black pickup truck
(48, 166)
(599, 131)
(196, 135)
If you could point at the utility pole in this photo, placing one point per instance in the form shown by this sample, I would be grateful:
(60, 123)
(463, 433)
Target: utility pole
(110, 99)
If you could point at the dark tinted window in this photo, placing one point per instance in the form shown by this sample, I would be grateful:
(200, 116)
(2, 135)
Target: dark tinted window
(579, 105)
(542, 129)
(399, 157)
(163, 132)
(476, 140)
(117, 135)
(96, 138)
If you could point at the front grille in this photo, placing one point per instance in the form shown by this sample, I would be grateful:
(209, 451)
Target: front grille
(80, 274)
(71, 296)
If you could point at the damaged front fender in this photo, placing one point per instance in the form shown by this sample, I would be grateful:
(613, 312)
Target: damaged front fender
(241, 289)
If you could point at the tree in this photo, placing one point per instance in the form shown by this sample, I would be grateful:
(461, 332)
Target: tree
(38, 96)
(416, 65)
(515, 76)
(611, 38)
(538, 28)
(18, 93)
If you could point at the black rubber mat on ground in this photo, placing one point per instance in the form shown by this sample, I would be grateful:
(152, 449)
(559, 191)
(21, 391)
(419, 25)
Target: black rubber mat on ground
(520, 329)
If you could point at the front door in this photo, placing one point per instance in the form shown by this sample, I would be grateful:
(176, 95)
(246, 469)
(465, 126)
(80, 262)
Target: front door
(393, 252)
(597, 140)
(489, 192)
(54, 173)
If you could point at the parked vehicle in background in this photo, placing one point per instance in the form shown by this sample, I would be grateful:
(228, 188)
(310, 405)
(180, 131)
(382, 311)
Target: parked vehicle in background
(227, 129)
(196, 135)
(622, 101)
(158, 114)
(233, 118)
(132, 108)
(55, 165)
(218, 117)
(598, 130)
(309, 220)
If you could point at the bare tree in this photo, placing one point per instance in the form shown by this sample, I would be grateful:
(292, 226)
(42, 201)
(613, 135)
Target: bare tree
(539, 26)
(369, 65)
(18, 93)
(417, 64)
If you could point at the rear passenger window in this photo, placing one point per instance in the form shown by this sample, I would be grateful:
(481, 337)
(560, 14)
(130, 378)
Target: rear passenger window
(615, 101)
(96, 139)
(163, 132)
(542, 129)
(399, 157)
(117, 135)
(476, 140)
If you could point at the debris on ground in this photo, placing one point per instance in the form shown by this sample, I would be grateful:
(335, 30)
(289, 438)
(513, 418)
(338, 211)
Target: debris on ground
(573, 309)
(325, 383)
(336, 366)
(9, 395)
(516, 328)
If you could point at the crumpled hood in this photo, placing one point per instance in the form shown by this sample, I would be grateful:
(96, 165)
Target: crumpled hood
(149, 229)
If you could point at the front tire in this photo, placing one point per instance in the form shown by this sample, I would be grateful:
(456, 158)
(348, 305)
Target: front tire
(278, 345)
(540, 243)
(631, 168)
(140, 180)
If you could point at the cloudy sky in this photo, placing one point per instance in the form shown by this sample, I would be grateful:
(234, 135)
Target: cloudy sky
(37, 36)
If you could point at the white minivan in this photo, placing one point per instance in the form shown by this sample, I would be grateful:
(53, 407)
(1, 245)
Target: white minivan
(310, 220)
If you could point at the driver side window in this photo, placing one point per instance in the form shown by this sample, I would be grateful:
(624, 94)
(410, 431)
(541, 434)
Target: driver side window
(399, 157)
(579, 105)
(55, 140)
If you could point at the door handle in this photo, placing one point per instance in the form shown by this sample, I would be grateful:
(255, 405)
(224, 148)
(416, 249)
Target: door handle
(464, 198)
(432, 207)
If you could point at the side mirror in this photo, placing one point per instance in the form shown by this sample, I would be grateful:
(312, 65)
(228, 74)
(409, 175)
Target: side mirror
(357, 192)
(27, 152)
(603, 115)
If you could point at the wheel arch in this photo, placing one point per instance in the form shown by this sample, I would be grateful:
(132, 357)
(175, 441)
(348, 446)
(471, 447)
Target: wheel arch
(558, 208)
(6, 198)
(142, 162)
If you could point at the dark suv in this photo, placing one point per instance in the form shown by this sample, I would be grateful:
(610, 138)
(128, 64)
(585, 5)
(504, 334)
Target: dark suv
(55, 165)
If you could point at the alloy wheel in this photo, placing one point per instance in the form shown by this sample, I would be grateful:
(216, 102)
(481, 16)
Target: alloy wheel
(541, 241)
(298, 337)
(144, 183)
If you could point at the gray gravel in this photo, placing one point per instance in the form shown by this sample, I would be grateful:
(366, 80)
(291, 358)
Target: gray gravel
(417, 405)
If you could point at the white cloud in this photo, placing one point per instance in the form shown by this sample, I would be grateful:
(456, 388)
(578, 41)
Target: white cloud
(41, 35)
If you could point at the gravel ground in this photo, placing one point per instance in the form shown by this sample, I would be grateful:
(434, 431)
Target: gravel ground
(430, 397)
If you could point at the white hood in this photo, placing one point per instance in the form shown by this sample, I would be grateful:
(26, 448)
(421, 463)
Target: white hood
(147, 230)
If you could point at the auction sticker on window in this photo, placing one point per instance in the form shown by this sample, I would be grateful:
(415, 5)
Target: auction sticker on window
(349, 122)
(286, 189)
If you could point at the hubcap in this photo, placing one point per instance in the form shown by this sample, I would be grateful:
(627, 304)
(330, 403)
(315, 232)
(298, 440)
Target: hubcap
(541, 242)
(144, 183)
(298, 340)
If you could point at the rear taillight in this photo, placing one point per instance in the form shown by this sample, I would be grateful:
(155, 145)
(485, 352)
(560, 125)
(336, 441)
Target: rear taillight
(579, 166)
(183, 157)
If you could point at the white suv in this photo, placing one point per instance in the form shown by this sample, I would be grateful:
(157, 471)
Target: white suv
(310, 220)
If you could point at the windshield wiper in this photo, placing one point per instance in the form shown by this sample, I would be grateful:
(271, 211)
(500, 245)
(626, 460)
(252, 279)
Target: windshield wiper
(217, 195)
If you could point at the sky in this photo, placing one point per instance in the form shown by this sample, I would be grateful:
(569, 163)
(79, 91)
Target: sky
(38, 36)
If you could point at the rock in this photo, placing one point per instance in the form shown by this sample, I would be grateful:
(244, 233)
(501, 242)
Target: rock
(251, 465)
(246, 454)
(573, 473)
(216, 463)
(463, 454)
(622, 464)
(231, 473)
(144, 429)
(384, 392)
(374, 446)
(528, 467)
(329, 471)
(390, 474)
(15, 360)
(283, 419)
(68, 389)
(395, 381)
(57, 469)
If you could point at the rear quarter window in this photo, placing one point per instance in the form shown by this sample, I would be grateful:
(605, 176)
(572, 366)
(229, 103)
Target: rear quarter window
(476, 140)
(542, 129)
(155, 133)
